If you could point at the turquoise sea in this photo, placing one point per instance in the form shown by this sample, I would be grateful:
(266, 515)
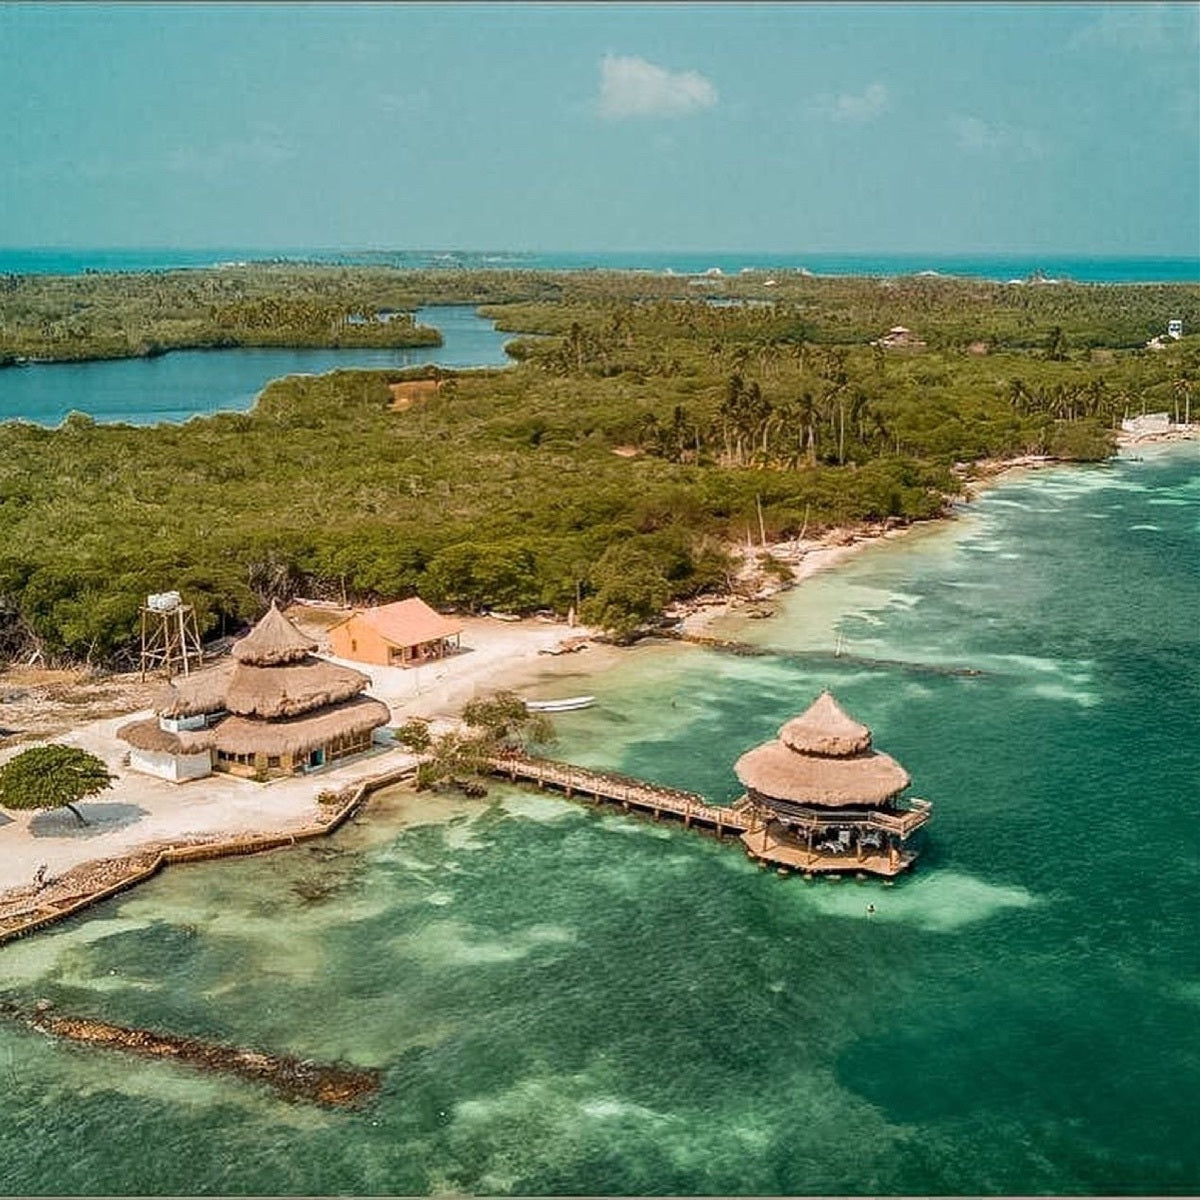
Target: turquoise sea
(1001, 267)
(568, 1000)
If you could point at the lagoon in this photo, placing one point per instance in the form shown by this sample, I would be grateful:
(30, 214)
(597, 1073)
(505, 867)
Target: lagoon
(185, 383)
(567, 1000)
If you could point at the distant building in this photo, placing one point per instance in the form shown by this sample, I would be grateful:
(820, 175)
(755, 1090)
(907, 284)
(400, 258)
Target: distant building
(405, 394)
(273, 709)
(1159, 422)
(899, 338)
(1175, 328)
(404, 634)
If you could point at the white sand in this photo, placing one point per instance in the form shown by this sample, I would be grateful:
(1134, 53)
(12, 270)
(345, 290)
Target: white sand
(496, 655)
(803, 559)
(139, 810)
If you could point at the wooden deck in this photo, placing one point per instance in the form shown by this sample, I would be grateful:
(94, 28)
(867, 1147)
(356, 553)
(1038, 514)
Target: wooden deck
(631, 794)
(773, 849)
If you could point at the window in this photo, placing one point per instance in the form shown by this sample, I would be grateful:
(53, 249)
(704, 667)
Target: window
(272, 760)
(353, 646)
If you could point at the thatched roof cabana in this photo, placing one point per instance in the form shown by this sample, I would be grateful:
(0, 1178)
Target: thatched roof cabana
(149, 735)
(273, 693)
(192, 695)
(350, 718)
(273, 642)
(274, 707)
(822, 757)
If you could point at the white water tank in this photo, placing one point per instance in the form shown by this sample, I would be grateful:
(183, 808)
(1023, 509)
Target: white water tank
(164, 602)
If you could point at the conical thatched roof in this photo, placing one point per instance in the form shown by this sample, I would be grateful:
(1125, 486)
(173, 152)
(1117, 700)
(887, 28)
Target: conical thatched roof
(822, 757)
(826, 728)
(191, 695)
(289, 690)
(242, 735)
(273, 642)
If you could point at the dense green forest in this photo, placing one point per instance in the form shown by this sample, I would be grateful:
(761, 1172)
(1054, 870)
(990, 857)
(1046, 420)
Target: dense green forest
(116, 315)
(94, 316)
(645, 430)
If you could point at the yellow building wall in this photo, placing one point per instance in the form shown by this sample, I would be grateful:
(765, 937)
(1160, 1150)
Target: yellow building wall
(356, 640)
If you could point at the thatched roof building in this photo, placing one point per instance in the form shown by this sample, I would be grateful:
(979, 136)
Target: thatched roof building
(822, 757)
(822, 779)
(275, 708)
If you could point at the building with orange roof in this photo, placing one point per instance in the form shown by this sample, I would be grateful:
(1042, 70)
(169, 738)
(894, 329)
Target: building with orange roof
(404, 634)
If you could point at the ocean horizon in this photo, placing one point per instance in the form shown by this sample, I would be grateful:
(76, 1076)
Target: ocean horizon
(1015, 266)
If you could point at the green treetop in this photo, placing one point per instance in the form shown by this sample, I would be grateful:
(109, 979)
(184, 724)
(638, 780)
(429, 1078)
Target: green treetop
(52, 777)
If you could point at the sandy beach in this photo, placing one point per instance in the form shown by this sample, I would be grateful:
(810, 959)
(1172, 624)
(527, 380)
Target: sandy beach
(140, 811)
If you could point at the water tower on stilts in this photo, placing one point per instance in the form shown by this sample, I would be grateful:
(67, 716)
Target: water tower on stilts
(170, 636)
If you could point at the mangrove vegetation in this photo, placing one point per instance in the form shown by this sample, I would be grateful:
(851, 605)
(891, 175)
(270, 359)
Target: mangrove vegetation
(649, 426)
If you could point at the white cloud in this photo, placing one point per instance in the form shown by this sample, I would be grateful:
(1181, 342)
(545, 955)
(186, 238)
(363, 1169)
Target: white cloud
(983, 137)
(853, 108)
(633, 87)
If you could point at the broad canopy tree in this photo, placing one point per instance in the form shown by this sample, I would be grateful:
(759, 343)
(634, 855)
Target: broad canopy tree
(499, 722)
(46, 777)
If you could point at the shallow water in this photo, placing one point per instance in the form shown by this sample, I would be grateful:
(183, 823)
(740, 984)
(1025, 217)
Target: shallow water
(189, 383)
(570, 1000)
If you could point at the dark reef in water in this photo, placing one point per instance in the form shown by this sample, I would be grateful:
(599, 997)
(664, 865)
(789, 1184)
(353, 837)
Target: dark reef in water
(295, 1078)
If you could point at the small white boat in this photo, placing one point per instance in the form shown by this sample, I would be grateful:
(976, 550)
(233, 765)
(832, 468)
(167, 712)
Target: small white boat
(554, 706)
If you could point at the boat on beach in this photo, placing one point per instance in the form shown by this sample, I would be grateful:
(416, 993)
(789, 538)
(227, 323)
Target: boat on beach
(557, 706)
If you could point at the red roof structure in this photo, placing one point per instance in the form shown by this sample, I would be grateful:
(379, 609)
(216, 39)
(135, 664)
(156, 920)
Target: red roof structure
(409, 622)
(402, 633)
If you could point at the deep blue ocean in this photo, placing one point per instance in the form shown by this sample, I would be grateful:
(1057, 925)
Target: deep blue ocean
(1002, 267)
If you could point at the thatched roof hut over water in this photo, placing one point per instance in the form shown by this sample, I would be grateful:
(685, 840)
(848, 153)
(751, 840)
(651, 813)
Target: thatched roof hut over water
(822, 757)
(825, 800)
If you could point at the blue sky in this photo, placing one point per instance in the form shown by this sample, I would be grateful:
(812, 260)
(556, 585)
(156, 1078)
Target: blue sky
(1070, 129)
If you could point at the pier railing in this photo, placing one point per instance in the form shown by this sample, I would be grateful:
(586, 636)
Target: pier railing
(764, 837)
(901, 821)
(630, 793)
(692, 808)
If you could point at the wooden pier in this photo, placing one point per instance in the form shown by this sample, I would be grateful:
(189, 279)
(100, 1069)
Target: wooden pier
(633, 795)
(763, 839)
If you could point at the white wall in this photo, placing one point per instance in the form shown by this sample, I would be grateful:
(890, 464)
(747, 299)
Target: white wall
(181, 724)
(178, 768)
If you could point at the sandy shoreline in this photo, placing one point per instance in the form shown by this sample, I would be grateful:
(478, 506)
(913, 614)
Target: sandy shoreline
(139, 812)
